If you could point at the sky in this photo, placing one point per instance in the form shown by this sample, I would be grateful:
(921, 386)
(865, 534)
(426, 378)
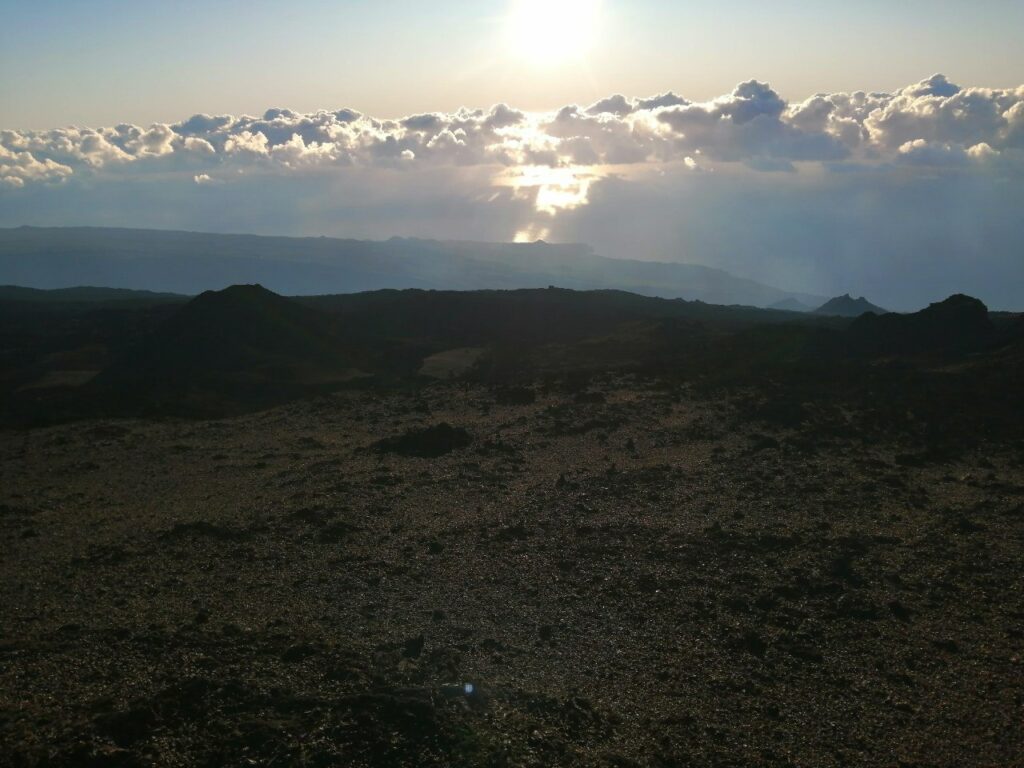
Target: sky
(107, 61)
(814, 146)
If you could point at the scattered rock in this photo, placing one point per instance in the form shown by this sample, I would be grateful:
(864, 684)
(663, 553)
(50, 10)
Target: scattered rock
(430, 443)
(515, 396)
(413, 647)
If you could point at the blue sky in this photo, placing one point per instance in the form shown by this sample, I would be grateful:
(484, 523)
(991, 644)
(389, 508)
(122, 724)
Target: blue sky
(106, 61)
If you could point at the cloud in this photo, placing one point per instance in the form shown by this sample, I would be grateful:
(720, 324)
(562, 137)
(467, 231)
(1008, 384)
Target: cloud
(503, 116)
(20, 168)
(753, 125)
(247, 142)
(158, 140)
(940, 154)
(936, 85)
(921, 152)
(750, 125)
(97, 150)
(198, 146)
(965, 117)
(424, 123)
(667, 99)
(198, 125)
(614, 105)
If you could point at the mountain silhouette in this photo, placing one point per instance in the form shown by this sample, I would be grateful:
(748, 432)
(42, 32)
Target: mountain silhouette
(244, 343)
(958, 324)
(241, 327)
(190, 262)
(847, 306)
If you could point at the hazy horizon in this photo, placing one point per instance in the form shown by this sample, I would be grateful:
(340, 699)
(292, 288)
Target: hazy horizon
(809, 301)
(841, 161)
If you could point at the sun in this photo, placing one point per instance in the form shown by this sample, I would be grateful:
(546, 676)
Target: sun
(545, 33)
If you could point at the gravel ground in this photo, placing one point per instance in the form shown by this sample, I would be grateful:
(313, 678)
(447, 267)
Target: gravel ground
(631, 576)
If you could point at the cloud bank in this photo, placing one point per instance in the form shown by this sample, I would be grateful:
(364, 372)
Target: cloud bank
(933, 122)
(904, 196)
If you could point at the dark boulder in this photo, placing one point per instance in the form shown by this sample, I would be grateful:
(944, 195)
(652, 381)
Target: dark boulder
(428, 443)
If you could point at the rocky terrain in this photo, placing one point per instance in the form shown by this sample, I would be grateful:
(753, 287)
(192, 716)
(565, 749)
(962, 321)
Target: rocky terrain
(620, 571)
(525, 528)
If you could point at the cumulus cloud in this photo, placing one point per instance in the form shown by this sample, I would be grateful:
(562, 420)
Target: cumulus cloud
(749, 125)
(668, 99)
(19, 168)
(503, 116)
(198, 125)
(614, 105)
(964, 117)
(198, 146)
(931, 123)
(936, 85)
(158, 140)
(97, 150)
(921, 152)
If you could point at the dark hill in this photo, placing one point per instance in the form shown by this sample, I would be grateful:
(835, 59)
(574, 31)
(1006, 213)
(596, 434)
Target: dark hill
(244, 344)
(959, 324)
(240, 327)
(847, 306)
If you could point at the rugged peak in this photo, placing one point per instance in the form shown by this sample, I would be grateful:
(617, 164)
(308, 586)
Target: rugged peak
(847, 306)
(957, 324)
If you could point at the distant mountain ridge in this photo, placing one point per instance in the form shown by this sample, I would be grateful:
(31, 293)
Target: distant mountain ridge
(790, 305)
(84, 295)
(190, 263)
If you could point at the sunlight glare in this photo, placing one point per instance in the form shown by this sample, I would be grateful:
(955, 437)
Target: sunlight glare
(553, 189)
(531, 233)
(544, 33)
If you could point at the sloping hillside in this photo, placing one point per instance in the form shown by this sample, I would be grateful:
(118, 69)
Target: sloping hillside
(190, 262)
